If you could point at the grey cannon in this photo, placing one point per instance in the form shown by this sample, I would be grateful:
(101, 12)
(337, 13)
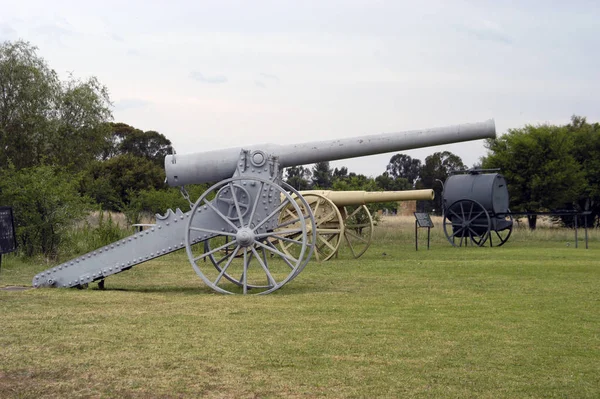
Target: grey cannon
(236, 223)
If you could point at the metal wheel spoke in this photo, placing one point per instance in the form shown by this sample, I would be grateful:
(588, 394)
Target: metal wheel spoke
(245, 275)
(276, 251)
(283, 258)
(236, 203)
(326, 242)
(322, 230)
(454, 213)
(317, 204)
(331, 215)
(460, 229)
(286, 239)
(350, 233)
(224, 269)
(264, 266)
(212, 251)
(275, 212)
(354, 212)
(476, 216)
(462, 212)
(262, 235)
(289, 222)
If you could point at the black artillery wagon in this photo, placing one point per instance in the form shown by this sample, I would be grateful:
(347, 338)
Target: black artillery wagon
(476, 209)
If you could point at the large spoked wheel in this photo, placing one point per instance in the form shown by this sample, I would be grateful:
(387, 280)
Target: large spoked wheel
(358, 229)
(466, 222)
(329, 225)
(502, 230)
(240, 252)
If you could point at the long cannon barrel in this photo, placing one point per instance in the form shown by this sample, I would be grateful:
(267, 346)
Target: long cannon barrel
(346, 198)
(217, 165)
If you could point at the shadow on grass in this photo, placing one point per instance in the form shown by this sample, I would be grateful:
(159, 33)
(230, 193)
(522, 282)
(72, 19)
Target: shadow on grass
(288, 289)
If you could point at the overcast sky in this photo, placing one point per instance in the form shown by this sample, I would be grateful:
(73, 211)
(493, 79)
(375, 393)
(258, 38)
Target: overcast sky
(218, 74)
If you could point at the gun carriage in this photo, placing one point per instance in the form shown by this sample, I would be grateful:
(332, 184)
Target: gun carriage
(345, 214)
(476, 209)
(244, 206)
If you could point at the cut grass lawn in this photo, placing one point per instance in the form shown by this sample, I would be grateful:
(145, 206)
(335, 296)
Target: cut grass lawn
(522, 320)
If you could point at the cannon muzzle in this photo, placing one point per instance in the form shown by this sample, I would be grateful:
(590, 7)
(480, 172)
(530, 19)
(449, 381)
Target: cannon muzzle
(348, 198)
(217, 165)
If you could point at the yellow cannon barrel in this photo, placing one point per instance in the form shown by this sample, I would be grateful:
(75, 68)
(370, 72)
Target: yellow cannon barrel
(347, 198)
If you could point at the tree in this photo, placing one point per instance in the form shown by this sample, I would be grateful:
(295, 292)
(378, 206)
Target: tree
(82, 131)
(388, 183)
(341, 173)
(403, 166)
(113, 183)
(128, 140)
(539, 166)
(298, 177)
(438, 167)
(322, 176)
(586, 150)
(29, 92)
(43, 120)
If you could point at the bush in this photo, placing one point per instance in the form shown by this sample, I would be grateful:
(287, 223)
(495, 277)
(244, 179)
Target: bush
(45, 203)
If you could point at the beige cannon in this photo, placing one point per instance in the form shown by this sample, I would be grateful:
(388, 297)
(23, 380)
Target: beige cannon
(344, 213)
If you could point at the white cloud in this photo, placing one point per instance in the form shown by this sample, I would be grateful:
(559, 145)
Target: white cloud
(208, 79)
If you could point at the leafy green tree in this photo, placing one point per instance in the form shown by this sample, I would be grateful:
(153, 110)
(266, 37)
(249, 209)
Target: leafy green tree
(586, 150)
(540, 168)
(438, 167)
(403, 166)
(45, 202)
(298, 177)
(29, 93)
(113, 182)
(341, 173)
(82, 131)
(356, 182)
(388, 183)
(43, 120)
(129, 140)
(322, 176)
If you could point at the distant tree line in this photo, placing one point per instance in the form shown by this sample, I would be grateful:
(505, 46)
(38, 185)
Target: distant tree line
(61, 156)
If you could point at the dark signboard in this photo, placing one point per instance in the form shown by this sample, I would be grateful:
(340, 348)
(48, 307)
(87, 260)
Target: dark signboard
(8, 242)
(423, 219)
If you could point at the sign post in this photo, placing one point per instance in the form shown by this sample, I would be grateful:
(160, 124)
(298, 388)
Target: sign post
(8, 241)
(422, 220)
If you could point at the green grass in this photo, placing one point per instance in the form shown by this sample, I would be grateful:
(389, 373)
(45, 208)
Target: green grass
(518, 321)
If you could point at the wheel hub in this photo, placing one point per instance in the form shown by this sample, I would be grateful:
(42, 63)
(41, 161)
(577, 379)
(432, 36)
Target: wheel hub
(245, 237)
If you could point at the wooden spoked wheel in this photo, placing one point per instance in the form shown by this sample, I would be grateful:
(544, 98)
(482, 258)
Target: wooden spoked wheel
(466, 222)
(246, 256)
(328, 221)
(358, 228)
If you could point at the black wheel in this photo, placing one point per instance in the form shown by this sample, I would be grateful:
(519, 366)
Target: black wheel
(466, 222)
(503, 226)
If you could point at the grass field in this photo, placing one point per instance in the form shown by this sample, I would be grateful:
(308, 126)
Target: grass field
(518, 321)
